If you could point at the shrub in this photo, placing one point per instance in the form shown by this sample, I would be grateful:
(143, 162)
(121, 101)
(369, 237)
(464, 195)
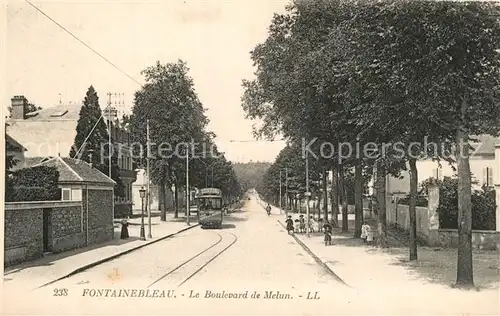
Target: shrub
(35, 184)
(483, 206)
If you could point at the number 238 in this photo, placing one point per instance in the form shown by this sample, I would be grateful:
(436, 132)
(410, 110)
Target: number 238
(60, 292)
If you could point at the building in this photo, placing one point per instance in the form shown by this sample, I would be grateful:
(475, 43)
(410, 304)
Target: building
(482, 164)
(14, 149)
(83, 217)
(141, 182)
(50, 132)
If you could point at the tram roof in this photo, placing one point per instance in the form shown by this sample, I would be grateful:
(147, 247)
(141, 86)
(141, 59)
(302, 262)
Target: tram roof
(208, 196)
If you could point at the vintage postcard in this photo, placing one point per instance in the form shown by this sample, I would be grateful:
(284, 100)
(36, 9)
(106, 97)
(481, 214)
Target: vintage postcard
(237, 157)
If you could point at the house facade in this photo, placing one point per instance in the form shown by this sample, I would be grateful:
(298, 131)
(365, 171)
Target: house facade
(14, 149)
(484, 163)
(50, 132)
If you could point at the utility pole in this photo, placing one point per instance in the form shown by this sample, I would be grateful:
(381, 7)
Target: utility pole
(109, 134)
(286, 192)
(280, 193)
(307, 194)
(148, 205)
(187, 186)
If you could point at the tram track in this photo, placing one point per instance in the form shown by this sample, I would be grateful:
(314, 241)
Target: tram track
(197, 262)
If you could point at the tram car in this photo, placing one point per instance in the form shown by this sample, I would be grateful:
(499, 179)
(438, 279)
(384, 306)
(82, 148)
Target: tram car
(210, 208)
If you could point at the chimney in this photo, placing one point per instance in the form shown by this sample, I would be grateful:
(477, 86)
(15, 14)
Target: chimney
(19, 106)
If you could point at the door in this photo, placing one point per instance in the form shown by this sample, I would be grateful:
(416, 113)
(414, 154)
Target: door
(47, 230)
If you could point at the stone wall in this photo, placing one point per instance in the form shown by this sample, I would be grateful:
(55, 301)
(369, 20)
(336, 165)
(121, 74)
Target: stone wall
(398, 216)
(23, 234)
(428, 225)
(24, 229)
(67, 225)
(67, 228)
(100, 207)
(481, 239)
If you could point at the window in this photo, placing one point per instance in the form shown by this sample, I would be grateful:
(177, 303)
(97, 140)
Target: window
(66, 194)
(76, 194)
(488, 176)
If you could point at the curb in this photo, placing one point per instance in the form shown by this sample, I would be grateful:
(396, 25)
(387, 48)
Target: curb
(316, 258)
(98, 262)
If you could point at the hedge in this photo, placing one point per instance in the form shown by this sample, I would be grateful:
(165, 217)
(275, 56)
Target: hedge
(483, 206)
(34, 184)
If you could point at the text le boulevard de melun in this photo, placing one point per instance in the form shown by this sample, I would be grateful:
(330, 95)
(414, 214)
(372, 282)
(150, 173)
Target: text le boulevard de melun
(207, 294)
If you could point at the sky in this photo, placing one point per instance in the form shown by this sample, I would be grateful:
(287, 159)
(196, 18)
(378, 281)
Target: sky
(48, 66)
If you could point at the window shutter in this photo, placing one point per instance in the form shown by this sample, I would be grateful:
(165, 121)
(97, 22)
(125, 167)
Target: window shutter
(490, 176)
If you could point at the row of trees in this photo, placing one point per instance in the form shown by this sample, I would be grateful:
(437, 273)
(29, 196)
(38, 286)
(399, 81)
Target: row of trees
(381, 72)
(176, 116)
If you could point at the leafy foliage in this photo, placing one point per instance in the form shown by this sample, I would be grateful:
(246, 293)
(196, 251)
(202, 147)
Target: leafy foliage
(90, 114)
(251, 174)
(35, 184)
(177, 120)
(10, 162)
(483, 206)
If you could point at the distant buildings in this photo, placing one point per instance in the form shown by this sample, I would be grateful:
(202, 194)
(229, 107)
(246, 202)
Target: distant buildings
(50, 132)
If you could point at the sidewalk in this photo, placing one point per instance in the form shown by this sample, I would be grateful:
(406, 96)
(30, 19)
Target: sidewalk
(41, 271)
(367, 268)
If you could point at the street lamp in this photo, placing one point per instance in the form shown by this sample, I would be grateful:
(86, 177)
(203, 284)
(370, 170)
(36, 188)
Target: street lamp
(142, 194)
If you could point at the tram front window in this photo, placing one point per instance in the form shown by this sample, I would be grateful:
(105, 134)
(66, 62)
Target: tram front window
(211, 204)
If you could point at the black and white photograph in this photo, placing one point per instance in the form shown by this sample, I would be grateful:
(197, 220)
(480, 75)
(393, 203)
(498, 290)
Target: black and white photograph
(250, 157)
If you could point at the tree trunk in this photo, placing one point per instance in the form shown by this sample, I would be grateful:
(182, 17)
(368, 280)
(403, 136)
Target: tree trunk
(176, 200)
(163, 201)
(465, 277)
(325, 194)
(413, 208)
(343, 199)
(358, 198)
(335, 197)
(380, 196)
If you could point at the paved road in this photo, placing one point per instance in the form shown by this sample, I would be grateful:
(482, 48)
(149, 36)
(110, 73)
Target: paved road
(257, 258)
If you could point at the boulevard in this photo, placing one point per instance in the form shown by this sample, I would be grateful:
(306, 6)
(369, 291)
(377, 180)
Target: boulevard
(249, 266)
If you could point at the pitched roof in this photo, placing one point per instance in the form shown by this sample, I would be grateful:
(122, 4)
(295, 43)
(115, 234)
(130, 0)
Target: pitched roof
(55, 113)
(32, 161)
(484, 144)
(13, 144)
(74, 170)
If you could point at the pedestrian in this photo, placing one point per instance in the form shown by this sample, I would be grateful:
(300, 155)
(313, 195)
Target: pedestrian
(297, 225)
(289, 225)
(313, 225)
(364, 231)
(369, 236)
(302, 224)
(328, 237)
(124, 232)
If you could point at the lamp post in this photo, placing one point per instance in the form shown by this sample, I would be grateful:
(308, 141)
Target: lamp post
(206, 173)
(280, 194)
(142, 193)
(188, 195)
(308, 194)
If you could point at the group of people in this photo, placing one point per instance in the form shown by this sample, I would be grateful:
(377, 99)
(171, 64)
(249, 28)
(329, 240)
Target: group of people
(299, 226)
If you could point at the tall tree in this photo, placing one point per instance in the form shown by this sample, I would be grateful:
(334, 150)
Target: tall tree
(92, 128)
(176, 117)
